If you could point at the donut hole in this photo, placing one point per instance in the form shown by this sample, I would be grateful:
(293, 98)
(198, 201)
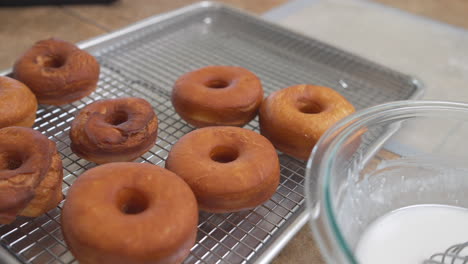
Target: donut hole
(117, 118)
(51, 61)
(224, 154)
(132, 201)
(11, 161)
(310, 108)
(217, 84)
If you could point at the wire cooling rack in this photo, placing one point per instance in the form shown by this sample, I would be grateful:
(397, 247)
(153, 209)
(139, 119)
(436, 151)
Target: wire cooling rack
(145, 59)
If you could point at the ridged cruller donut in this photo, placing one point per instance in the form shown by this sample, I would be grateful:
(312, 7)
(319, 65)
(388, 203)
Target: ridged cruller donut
(30, 174)
(114, 130)
(18, 105)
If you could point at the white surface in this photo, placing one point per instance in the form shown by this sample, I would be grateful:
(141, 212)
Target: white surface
(434, 52)
(411, 235)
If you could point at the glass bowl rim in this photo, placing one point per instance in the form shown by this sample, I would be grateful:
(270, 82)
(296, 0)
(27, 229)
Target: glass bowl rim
(318, 198)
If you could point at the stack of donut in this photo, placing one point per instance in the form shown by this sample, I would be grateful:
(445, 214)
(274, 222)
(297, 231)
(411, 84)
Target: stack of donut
(51, 72)
(149, 214)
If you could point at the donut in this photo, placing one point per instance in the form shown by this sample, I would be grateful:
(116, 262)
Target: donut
(123, 212)
(228, 168)
(217, 96)
(295, 118)
(18, 104)
(114, 130)
(30, 174)
(57, 72)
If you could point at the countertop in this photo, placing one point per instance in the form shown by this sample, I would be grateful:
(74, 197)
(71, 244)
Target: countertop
(20, 27)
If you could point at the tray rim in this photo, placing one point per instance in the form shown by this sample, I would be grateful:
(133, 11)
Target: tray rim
(301, 218)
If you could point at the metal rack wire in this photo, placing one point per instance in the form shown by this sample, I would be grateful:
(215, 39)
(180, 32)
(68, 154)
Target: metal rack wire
(145, 63)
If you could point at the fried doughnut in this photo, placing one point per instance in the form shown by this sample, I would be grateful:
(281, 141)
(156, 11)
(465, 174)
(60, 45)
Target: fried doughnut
(57, 72)
(18, 104)
(228, 168)
(30, 174)
(295, 118)
(124, 212)
(217, 96)
(114, 130)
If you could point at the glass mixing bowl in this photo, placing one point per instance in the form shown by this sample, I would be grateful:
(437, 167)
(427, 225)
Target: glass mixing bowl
(380, 159)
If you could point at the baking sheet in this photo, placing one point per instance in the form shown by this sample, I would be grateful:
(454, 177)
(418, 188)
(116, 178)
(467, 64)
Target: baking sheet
(146, 58)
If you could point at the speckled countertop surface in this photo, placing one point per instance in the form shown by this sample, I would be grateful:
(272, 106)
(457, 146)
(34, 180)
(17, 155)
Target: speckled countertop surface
(20, 27)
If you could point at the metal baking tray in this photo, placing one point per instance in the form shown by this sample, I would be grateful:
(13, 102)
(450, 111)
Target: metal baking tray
(145, 59)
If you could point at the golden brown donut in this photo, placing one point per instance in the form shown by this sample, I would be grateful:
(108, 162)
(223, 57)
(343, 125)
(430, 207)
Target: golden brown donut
(217, 96)
(295, 118)
(228, 168)
(114, 130)
(57, 72)
(122, 213)
(30, 174)
(18, 104)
